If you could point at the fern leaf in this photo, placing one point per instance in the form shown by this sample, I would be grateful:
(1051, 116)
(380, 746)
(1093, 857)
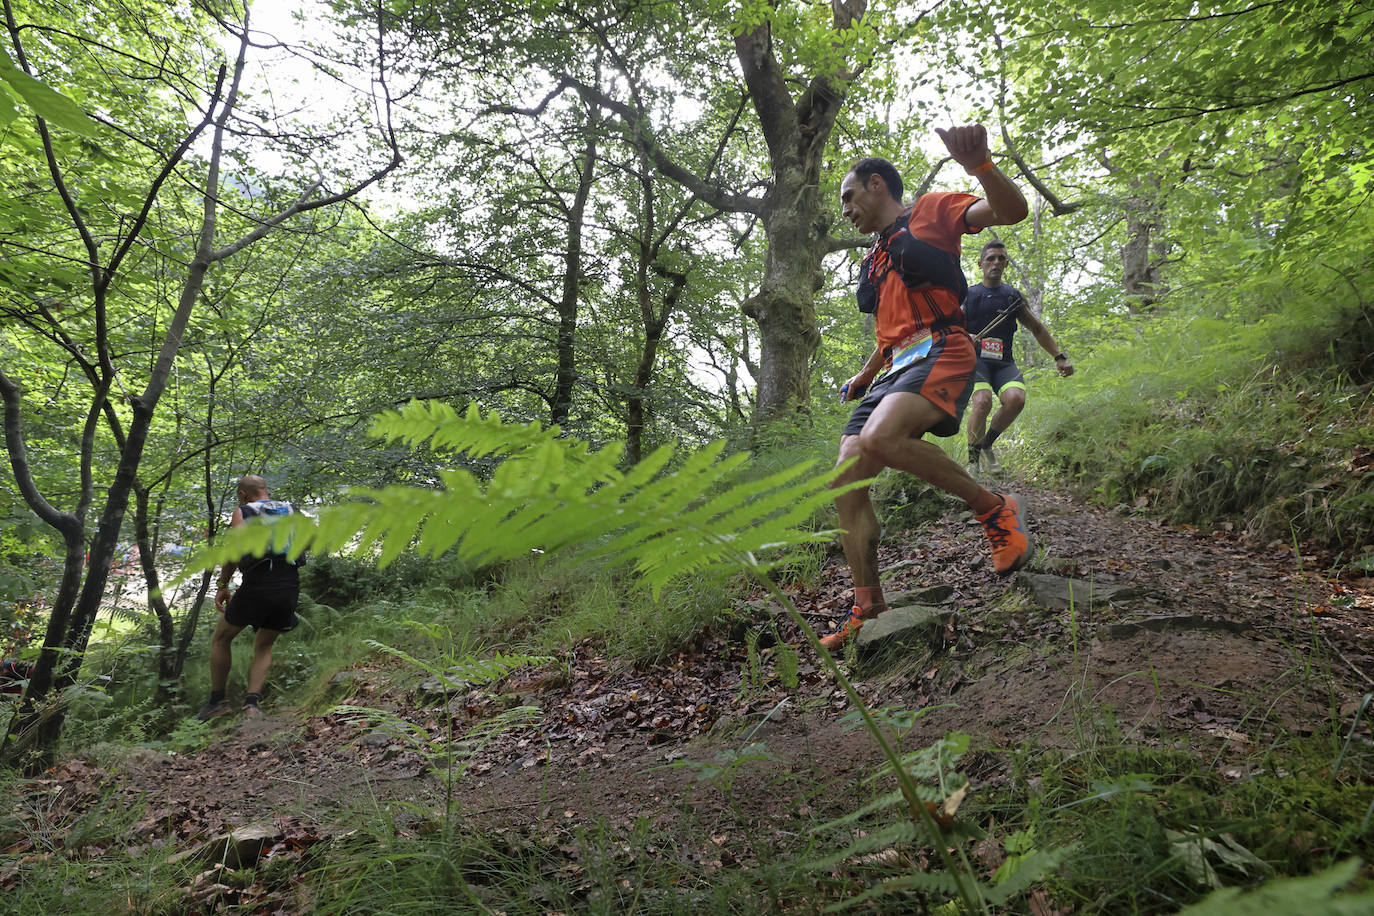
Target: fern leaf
(470, 671)
(893, 799)
(1029, 869)
(898, 833)
(406, 657)
(552, 493)
(472, 433)
(932, 762)
(493, 668)
(928, 882)
(414, 735)
(1315, 895)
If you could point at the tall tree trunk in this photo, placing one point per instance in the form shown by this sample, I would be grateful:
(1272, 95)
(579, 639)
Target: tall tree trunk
(654, 325)
(785, 305)
(1144, 253)
(1031, 274)
(1136, 276)
(191, 621)
(572, 281)
(794, 219)
(157, 604)
(654, 321)
(39, 724)
(795, 130)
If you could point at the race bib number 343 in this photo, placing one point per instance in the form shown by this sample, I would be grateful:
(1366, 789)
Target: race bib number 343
(992, 348)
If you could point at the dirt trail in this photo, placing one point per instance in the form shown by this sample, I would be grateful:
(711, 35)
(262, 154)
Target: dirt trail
(1209, 639)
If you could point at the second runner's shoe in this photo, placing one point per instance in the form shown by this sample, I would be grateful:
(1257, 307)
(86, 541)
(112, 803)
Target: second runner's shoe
(990, 458)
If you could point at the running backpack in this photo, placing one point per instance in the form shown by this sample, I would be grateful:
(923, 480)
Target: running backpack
(920, 265)
(272, 509)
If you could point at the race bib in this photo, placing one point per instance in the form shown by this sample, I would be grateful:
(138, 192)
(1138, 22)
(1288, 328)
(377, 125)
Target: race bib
(909, 354)
(992, 348)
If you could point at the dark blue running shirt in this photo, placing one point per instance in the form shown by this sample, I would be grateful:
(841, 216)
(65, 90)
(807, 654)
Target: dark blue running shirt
(981, 306)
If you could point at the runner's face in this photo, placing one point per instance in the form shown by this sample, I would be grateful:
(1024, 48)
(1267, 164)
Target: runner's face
(864, 204)
(993, 263)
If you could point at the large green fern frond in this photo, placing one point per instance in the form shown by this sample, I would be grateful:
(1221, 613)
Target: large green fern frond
(476, 435)
(551, 493)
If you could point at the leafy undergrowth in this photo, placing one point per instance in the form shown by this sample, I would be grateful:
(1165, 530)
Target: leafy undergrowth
(1260, 419)
(1112, 763)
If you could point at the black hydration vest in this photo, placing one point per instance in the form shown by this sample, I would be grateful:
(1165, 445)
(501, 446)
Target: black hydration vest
(919, 264)
(274, 564)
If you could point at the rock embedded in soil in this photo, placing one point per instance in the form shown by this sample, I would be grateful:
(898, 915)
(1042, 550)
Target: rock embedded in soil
(911, 627)
(936, 594)
(239, 848)
(1056, 593)
(1163, 623)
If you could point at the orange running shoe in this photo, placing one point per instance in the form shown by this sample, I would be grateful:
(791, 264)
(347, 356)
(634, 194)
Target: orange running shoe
(852, 625)
(1006, 533)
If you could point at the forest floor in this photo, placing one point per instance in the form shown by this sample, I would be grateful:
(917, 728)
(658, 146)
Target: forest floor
(1211, 643)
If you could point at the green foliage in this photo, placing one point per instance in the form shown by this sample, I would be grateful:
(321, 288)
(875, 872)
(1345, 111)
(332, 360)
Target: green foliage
(1206, 420)
(1198, 851)
(722, 770)
(20, 624)
(933, 766)
(551, 602)
(103, 872)
(1315, 895)
(1149, 829)
(938, 783)
(44, 101)
(469, 671)
(188, 736)
(344, 580)
(446, 753)
(447, 757)
(600, 870)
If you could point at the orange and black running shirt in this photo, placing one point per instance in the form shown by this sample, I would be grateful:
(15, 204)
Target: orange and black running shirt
(912, 277)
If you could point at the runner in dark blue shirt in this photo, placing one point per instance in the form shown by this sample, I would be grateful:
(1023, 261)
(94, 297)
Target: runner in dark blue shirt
(992, 310)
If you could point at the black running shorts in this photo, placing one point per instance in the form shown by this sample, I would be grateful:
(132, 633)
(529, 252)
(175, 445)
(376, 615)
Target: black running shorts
(996, 374)
(271, 608)
(945, 378)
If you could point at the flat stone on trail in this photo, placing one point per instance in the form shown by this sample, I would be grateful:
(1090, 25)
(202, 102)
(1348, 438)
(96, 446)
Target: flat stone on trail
(383, 735)
(239, 848)
(935, 594)
(347, 683)
(1164, 623)
(1057, 593)
(901, 628)
(347, 678)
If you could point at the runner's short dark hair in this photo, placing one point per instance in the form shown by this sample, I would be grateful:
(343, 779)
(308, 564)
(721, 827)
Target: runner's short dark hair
(995, 243)
(885, 170)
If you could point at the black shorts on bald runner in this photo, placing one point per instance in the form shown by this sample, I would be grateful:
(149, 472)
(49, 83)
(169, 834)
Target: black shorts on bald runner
(270, 607)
